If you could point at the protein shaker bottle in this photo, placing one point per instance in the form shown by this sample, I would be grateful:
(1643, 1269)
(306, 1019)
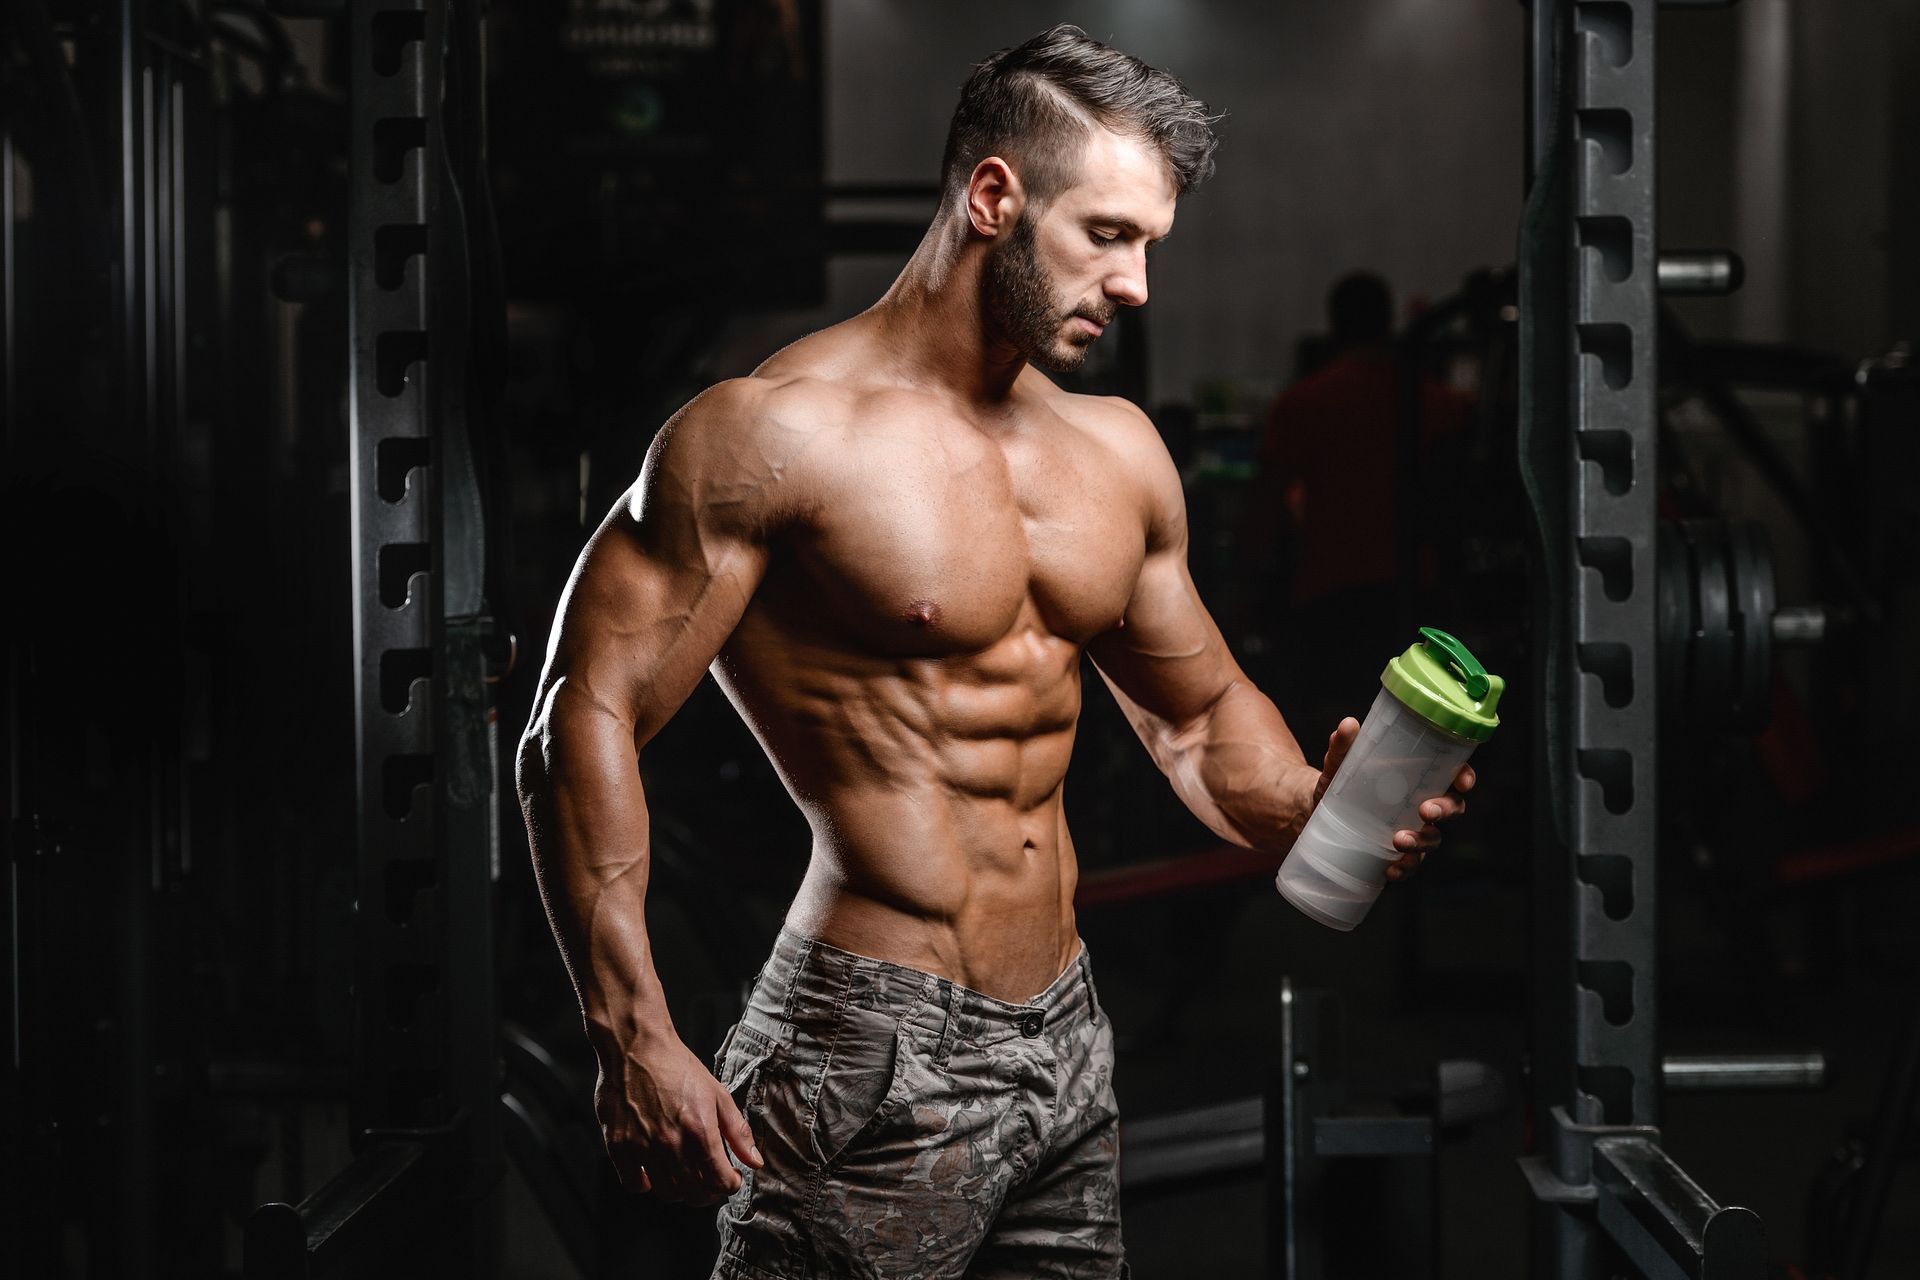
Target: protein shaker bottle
(1436, 704)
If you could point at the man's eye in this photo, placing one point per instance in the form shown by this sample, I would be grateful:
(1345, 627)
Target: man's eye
(1100, 239)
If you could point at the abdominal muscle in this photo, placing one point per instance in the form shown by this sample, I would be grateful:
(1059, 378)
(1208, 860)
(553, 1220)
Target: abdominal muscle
(933, 787)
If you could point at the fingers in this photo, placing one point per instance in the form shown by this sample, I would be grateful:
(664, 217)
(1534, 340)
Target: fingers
(1414, 848)
(708, 1158)
(1443, 807)
(733, 1128)
(689, 1167)
(700, 1173)
(1340, 740)
(1427, 837)
(627, 1163)
(1414, 845)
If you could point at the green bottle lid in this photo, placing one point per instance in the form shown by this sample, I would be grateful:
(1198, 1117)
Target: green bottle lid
(1445, 685)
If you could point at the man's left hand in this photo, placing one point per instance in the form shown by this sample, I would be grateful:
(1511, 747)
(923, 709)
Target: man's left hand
(1413, 845)
(1416, 844)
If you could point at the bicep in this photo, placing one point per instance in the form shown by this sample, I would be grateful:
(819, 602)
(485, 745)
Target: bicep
(1168, 659)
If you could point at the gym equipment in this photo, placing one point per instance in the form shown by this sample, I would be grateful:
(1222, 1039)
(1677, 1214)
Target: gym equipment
(1604, 1193)
(1296, 1133)
(1300, 1133)
(425, 1094)
(1719, 622)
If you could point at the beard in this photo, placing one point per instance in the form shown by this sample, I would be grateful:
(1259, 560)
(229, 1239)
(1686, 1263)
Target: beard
(1026, 308)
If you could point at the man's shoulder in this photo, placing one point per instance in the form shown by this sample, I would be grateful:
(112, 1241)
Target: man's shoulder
(742, 451)
(740, 418)
(1128, 436)
(1120, 426)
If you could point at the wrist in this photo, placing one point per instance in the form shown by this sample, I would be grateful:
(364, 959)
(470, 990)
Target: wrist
(1302, 781)
(632, 1029)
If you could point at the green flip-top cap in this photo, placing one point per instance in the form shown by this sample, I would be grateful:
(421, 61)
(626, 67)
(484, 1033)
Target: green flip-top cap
(1445, 685)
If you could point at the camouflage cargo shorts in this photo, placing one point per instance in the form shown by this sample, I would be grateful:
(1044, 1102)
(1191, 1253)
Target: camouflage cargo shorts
(914, 1128)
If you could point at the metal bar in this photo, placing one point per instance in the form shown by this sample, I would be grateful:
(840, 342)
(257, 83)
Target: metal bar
(1282, 1120)
(1542, 89)
(1901, 27)
(402, 1046)
(1707, 1072)
(1240, 1116)
(1589, 457)
(151, 213)
(1664, 1222)
(1705, 272)
(1611, 496)
(9, 334)
(131, 16)
(352, 1217)
(1227, 1138)
(1207, 1142)
(1799, 624)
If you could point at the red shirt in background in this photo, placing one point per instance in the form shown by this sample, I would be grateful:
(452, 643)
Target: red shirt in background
(1329, 449)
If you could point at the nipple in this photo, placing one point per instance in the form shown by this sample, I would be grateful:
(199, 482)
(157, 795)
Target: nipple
(923, 612)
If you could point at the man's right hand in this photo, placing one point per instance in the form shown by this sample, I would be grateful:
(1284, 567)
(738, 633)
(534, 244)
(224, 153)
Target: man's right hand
(667, 1124)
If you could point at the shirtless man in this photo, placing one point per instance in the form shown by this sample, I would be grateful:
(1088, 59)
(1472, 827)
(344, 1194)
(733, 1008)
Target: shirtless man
(891, 545)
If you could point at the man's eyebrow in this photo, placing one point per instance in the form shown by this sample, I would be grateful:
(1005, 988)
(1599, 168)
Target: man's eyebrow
(1126, 224)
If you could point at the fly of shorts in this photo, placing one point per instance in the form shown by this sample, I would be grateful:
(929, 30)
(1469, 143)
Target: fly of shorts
(912, 1127)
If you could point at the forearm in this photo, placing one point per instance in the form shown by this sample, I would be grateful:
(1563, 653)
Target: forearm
(587, 825)
(1238, 768)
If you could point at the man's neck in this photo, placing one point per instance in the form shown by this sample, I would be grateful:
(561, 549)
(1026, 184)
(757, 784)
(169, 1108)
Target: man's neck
(934, 321)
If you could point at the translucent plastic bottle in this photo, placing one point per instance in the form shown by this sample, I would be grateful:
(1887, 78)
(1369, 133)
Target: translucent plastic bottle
(1436, 704)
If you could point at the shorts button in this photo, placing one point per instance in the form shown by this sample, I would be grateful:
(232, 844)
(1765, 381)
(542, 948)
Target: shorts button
(1029, 1025)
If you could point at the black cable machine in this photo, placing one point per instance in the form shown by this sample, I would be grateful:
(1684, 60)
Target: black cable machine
(1606, 1196)
(425, 1101)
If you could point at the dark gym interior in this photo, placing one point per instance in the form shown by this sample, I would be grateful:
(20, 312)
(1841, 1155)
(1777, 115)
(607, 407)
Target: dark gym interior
(333, 328)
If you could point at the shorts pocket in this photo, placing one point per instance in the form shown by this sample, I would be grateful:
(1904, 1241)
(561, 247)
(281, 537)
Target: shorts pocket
(859, 1081)
(741, 1064)
(744, 1062)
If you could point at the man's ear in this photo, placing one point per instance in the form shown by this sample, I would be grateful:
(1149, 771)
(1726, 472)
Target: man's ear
(995, 197)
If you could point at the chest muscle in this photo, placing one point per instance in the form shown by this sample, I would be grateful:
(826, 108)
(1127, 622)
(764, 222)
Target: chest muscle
(939, 549)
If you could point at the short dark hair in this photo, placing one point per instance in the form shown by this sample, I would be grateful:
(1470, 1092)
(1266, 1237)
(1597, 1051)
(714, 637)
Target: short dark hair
(1036, 104)
(1360, 308)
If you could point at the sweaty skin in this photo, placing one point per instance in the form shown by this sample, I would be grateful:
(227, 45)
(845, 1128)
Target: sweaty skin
(891, 545)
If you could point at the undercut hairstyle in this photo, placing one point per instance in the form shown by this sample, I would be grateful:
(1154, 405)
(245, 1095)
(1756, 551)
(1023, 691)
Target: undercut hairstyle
(1036, 104)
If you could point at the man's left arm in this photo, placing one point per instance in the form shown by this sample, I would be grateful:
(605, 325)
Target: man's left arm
(1221, 742)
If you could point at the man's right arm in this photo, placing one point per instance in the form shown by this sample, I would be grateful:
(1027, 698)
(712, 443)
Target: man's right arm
(656, 593)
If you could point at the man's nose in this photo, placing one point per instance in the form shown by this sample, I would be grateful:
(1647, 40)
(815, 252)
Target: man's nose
(1129, 286)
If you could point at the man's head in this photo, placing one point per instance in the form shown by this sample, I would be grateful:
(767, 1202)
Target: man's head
(1067, 156)
(1359, 310)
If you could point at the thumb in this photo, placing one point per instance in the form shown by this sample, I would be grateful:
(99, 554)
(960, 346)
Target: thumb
(733, 1127)
(1338, 743)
